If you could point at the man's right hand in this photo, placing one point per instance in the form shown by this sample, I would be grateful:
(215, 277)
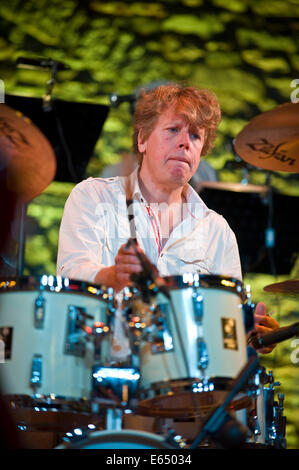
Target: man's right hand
(119, 275)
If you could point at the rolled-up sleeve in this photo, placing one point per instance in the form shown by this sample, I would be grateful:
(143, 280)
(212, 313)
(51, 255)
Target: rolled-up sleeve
(81, 237)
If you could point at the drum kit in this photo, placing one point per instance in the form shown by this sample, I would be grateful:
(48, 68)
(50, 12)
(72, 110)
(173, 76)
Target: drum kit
(189, 380)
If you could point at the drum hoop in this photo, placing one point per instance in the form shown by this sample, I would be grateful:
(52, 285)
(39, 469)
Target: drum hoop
(114, 436)
(48, 401)
(149, 404)
(186, 383)
(55, 284)
(205, 281)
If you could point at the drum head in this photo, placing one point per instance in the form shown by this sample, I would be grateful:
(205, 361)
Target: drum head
(120, 440)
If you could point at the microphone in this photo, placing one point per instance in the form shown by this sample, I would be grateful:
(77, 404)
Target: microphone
(116, 99)
(276, 336)
(28, 63)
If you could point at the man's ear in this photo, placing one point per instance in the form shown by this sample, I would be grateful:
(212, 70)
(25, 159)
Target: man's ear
(141, 142)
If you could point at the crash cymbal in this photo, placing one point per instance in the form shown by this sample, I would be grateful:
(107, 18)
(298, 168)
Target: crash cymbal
(26, 153)
(285, 287)
(235, 187)
(271, 140)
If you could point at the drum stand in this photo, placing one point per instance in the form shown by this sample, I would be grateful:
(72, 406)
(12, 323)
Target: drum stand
(220, 426)
(114, 419)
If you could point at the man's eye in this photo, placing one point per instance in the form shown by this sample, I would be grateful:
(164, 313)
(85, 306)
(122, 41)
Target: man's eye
(194, 136)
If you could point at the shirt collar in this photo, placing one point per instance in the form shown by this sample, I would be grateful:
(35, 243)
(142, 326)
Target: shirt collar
(190, 194)
(132, 182)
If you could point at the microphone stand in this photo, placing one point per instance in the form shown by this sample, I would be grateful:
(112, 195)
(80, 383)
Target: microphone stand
(216, 423)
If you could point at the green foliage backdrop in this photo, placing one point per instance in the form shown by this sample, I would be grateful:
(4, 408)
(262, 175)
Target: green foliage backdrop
(245, 51)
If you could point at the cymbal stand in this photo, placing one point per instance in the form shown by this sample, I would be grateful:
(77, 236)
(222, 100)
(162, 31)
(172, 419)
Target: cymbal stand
(47, 98)
(270, 232)
(21, 238)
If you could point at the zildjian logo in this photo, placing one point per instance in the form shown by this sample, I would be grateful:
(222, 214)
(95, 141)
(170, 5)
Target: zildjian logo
(12, 134)
(271, 151)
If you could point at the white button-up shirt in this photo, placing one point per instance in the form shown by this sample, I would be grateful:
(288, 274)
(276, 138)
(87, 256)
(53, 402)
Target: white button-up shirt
(95, 224)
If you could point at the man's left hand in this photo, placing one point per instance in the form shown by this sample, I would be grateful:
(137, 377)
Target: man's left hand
(264, 323)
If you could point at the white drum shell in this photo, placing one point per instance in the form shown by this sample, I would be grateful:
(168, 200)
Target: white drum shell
(218, 303)
(63, 374)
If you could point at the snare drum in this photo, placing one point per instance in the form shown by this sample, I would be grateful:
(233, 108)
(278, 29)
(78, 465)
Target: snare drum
(199, 332)
(195, 335)
(44, 326)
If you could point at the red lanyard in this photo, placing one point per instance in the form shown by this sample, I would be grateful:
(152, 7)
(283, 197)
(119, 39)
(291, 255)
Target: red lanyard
(155, 227)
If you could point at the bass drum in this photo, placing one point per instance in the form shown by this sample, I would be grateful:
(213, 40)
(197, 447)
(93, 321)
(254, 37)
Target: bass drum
(126, 439)
(44, 326)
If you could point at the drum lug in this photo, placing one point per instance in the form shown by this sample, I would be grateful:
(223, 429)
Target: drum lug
(202, 354)
(39, 312)
(197, 300)
(175, 440)
(75, 337)
(280, 421)
(253, 424)
(248, 310)
(114, 418)
(160, 336)
(36, 371)
(202, 349)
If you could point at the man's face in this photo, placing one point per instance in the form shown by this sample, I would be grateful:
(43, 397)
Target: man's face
(171, 154)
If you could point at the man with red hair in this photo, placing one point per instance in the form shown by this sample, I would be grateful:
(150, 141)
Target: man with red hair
(174, 126)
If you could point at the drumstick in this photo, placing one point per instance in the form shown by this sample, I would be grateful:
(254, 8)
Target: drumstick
(130, 211)
(149, 269)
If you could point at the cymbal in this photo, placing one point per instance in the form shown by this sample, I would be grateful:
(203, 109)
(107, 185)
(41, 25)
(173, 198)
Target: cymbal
(235, 187)
(271, 140)
(26, 153)
(286, 287)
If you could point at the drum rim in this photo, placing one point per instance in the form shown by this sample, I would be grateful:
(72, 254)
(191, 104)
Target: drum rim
(147, 405)
(47, 401)
(55, 284)
(194, 279)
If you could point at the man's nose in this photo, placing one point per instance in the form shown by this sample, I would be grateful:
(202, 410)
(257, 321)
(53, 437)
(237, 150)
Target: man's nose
(184, 139)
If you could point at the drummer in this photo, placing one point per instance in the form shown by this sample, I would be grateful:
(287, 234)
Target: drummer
(174, 126)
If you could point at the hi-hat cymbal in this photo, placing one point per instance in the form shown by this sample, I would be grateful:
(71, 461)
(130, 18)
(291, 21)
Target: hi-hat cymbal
(26, 153)
(286, 287)
(271, 140)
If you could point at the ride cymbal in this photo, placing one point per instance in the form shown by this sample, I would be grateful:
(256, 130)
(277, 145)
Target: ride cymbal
(26, 154)
(286, 287)
(271, 140)
(235, 187)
